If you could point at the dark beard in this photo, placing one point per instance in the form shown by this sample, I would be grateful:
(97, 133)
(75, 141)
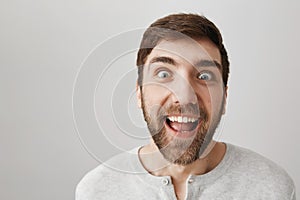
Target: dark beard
(177, 150)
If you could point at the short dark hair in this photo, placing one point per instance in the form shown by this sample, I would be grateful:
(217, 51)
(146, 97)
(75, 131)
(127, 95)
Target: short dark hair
(190, 25)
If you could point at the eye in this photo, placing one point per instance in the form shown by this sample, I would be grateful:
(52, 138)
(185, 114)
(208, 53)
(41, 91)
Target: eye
(205, 76)
(163, 74)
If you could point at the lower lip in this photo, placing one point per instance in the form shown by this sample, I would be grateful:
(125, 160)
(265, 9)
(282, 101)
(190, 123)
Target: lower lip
(183, 134)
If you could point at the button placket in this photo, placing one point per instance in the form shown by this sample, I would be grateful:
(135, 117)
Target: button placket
(190, 188)
(167, 188)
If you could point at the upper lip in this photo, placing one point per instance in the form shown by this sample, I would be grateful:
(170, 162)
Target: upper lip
(183, 115)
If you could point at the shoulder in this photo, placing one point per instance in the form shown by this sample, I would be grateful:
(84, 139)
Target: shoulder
(256, 162)
(106, 178)
(259, 171)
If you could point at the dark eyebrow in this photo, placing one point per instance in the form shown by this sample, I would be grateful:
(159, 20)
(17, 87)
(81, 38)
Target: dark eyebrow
(163, 59)
(208, 63)
(201, 63)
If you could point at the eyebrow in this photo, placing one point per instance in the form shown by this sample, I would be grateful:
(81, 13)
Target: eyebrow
(201, 63)
(163, 59)
(208, 63)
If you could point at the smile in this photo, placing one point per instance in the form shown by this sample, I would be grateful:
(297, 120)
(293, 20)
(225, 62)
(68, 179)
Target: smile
(182, 119)
(182, 126)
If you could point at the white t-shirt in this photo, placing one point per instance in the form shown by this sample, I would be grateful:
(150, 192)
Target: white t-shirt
(242, 174)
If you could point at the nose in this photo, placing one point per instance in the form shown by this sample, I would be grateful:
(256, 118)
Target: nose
(183, 91)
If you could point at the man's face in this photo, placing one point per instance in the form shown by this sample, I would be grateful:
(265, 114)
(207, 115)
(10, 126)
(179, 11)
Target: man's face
(182, 97)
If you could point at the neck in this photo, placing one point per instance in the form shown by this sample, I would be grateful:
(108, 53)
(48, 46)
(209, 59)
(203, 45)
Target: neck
(155, 164)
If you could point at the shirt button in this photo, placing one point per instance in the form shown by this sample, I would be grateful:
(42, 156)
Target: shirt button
(165, 181)
(190, 180)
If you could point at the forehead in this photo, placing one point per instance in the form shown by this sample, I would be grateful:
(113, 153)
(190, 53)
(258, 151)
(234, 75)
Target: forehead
(187, 50)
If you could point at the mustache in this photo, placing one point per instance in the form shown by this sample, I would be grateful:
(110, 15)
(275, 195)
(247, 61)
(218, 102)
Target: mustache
(184, 109)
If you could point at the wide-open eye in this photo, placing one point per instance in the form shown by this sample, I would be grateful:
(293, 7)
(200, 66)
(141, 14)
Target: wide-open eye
(163, 74)
(205, 76)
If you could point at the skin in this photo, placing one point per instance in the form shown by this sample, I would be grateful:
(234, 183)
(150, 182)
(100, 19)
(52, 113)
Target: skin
(178, 83)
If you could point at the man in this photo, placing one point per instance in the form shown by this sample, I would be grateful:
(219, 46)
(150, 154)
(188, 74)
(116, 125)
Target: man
(183, 71)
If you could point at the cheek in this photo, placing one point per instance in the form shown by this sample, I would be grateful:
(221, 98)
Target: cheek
(217, 101)
(154, 94)
(211, 98)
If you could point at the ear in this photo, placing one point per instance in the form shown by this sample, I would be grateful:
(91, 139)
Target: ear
(225, 100)
(138, 95)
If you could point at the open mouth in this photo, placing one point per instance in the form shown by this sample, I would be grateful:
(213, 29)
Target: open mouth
(182, 124)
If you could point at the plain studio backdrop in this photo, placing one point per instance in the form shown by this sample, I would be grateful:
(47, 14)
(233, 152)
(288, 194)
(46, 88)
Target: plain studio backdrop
(63, 56)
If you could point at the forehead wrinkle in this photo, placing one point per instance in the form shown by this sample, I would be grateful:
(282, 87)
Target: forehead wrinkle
(178, 52)
(196, 54)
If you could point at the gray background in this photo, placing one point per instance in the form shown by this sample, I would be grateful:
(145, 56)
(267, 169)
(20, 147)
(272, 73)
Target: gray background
(44, 43)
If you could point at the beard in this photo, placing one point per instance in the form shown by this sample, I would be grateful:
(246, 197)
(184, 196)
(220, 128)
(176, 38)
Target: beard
(181, 151)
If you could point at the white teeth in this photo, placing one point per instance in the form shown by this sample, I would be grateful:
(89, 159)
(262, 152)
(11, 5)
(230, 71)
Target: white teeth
(181, 119)
(184, 119)
(171, 119)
